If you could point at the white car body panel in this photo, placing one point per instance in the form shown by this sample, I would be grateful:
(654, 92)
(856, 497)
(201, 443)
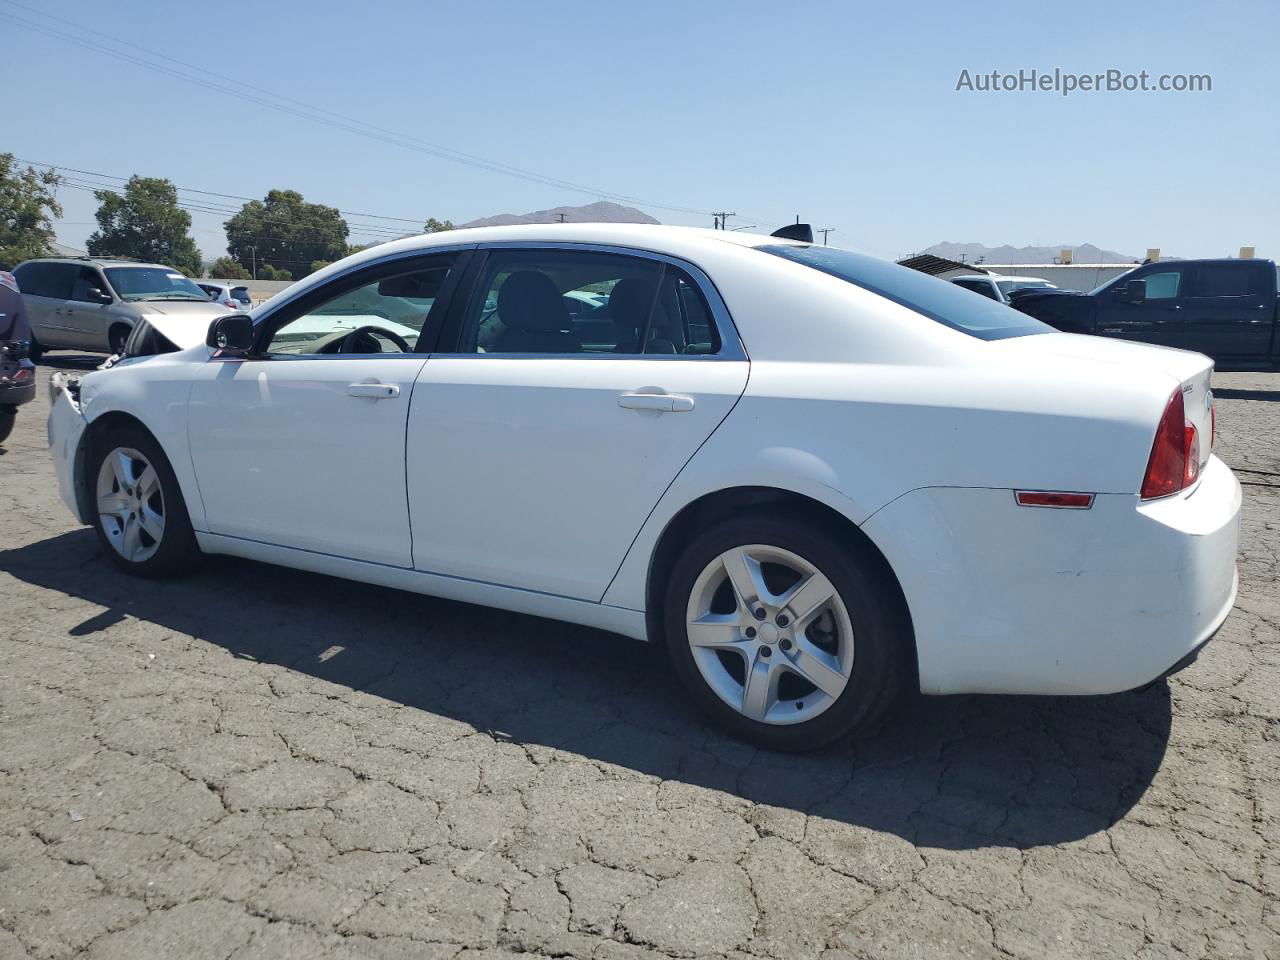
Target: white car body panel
(526, 482)
(527, 472)
(285, 455)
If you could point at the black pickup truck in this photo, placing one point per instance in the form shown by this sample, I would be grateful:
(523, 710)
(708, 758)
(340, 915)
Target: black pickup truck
(1228, 309)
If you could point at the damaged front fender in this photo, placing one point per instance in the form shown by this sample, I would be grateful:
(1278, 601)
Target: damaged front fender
(66, 429)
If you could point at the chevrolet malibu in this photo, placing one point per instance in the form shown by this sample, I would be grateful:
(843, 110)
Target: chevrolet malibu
(815, 477)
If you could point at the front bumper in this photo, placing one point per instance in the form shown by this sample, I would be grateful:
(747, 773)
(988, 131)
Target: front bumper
(66, 427)
(1008, 599)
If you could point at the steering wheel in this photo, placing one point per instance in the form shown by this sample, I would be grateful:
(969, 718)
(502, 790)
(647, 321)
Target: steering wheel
(362, 337)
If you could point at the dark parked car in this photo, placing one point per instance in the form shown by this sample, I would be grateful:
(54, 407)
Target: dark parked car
(1227, 309)
(17, 374)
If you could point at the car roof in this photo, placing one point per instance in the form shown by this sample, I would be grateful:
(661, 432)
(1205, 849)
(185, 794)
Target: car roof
(98, 261)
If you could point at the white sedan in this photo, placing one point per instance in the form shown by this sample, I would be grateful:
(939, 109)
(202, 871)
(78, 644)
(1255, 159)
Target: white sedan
(815, 476)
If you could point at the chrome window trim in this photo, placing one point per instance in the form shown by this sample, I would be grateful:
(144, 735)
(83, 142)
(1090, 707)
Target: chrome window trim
(731, 346)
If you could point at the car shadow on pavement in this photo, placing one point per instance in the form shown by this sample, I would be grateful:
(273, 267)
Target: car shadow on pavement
(951, 772)
(1230, 393)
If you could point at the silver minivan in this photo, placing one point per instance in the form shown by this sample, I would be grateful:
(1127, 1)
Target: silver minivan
(92, 303)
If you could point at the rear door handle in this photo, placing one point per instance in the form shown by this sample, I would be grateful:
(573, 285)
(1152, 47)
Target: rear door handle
(662, 402)
(376, 391)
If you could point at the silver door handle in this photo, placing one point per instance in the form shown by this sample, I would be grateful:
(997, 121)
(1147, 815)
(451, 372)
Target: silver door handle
(377, 391)
(662, 402)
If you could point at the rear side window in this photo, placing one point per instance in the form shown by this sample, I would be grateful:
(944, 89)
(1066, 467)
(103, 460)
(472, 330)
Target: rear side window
(1241, 279)
(46, 279)
(568, 302)
(939, 300)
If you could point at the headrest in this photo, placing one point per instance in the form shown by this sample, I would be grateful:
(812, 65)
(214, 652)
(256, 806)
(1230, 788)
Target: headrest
(529, 300)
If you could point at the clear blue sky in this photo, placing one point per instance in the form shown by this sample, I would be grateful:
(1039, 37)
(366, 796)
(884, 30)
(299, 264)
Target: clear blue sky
(844, 113)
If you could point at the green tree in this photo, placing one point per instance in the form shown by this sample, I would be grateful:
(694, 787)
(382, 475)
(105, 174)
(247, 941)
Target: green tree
(285, 233)
(27, 211)
(226, 268)
(145, 223)
(436, 226)
(267, 272)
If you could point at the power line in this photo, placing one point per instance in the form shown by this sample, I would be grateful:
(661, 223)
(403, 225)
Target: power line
(210, 193)
(309, 111)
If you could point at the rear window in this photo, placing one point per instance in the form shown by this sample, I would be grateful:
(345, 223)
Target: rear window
(240, 293)
(939, 300)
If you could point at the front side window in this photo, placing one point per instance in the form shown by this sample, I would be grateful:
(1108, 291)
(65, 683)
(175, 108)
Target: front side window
(86, 280)
(570, 302)
(939, 300)
(379, 316)
(1164, 285)
(152, 283)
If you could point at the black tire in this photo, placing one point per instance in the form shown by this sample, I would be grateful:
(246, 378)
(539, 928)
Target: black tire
(36, 351)
(116, 338)
(881, 627)
(177, 552)
(8, 416)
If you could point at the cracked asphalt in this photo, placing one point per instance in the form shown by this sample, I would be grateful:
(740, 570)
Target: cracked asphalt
(259, 763)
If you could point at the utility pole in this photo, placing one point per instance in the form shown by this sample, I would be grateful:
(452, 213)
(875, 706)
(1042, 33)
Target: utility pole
(720, 218)
(253, 259)
(824, 231)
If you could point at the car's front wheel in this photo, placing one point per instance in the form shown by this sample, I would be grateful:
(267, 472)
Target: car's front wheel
(786, 636)
(141, 519)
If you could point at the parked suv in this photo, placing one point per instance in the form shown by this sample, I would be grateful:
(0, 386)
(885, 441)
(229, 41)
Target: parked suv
(91, 303)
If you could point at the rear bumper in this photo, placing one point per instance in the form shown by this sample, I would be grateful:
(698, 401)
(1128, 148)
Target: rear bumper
(17, 382)
(1008, 599)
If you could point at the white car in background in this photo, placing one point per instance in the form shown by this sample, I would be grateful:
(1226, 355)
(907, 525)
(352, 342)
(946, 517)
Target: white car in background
(998, 287)
(233, 296)
(816, 477)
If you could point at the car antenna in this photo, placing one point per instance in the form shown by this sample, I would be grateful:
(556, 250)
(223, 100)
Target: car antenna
(795, 231)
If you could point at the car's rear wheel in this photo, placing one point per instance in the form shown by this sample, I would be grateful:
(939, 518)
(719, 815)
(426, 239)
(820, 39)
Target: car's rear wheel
(787, 637)
(140, 517)
(35, 350)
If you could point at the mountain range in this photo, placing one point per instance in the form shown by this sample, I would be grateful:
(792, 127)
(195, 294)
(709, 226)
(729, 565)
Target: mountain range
(600, 212)
(1081, 253)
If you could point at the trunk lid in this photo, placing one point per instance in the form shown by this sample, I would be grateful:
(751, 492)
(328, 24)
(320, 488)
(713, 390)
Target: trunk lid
(1186, 369)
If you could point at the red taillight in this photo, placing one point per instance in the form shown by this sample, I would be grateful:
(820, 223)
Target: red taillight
(1175, 454)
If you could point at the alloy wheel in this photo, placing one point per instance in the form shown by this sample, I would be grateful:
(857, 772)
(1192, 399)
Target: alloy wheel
(770, 634)
(130, 504)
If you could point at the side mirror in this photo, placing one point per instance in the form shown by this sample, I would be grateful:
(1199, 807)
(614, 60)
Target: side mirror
(1135, 291)
(232, 335)
(98, 295)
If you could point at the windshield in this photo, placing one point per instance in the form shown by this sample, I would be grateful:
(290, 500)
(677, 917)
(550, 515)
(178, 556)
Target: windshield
(939, 300)
(152, 283)
(1102, 286)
